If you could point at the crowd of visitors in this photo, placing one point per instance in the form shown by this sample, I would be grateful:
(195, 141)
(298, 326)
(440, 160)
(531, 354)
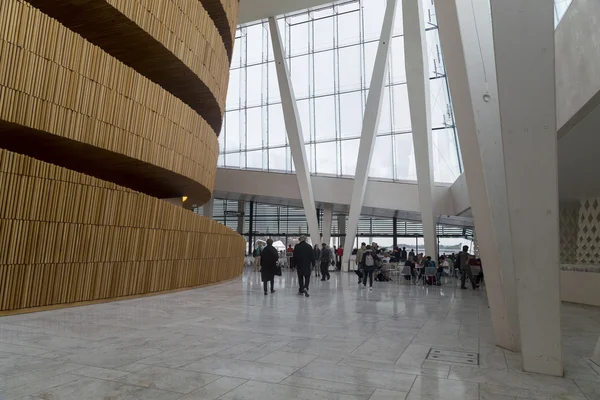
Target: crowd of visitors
(369, 264)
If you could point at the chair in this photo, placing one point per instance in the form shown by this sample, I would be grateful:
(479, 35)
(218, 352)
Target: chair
(429, 272)
(476, 271)
(406, 271)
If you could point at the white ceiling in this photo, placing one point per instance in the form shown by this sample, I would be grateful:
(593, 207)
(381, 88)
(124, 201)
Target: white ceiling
(252, 10)
(579, 159)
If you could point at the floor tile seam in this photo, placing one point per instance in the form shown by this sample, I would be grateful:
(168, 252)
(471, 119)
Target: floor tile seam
(409, 344)
(258, 362)
(332, 381)
(261, 345)
(411, 387)
(231, 376)
(224, 394)
(378, 370)
(396, 365)
(235, 345)
(164, 366)
(589, 362)
(523, 388)
(38, 380)
(582, 392)
(28, 346)
(77, 377)
(50, 318)
(323, 390)
(238, 377)
(142, 386)
(54, 334)
(62, 358)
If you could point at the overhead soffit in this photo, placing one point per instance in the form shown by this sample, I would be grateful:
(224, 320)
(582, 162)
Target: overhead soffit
(254, 10)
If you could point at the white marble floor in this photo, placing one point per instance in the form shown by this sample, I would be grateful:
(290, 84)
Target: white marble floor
(232, 342)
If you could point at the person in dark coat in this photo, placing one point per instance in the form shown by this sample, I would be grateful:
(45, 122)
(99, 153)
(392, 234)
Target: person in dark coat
(317, 258)
(304, 257)
(325, 257)
(268, 263)
(369, 260)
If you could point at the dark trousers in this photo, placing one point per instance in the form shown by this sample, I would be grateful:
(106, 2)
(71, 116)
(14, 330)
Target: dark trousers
(266, 282)
(303, 282)
(370, 275)
(413, 274)
(325, 270)
(467, 271)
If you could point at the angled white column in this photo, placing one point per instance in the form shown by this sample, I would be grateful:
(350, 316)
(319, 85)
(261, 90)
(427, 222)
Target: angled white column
(369, 128)
(207, 209)
(327, 222)
(467, 44)
(417, 78)
(524, 45)
(294, 132)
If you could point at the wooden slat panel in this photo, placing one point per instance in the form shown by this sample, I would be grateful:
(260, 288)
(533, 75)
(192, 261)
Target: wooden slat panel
(173, 42)
(72, 252)
(224, 13)
(87, 111)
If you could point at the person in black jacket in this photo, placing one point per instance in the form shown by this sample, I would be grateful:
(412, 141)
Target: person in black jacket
(268, 262)
(304, 258)
(317, 258)
(369, 260)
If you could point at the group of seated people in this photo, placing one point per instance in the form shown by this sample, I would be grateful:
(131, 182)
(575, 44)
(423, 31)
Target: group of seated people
(447, 265)
(417, 267)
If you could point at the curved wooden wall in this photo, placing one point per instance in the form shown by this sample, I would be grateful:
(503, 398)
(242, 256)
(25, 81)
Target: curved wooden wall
(94, 130)
(92, 98)
(174, 43)
(224, 13)
(68, 237)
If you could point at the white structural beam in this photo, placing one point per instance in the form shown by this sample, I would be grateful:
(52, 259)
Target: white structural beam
(369, 128)
(327, 222)
(417, 78)
(400, 196)
(294, 132)
(524, 44)
(467, 44)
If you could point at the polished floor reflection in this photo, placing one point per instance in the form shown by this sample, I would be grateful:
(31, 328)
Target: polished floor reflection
(232, 342)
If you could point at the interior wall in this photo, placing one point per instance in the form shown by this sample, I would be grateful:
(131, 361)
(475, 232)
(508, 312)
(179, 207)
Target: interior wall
(569, 216)
(580, 232)
(588, 232)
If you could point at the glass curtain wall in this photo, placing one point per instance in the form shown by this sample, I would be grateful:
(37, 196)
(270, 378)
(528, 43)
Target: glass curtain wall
(560, 8)
(285, 222)
(330, 52)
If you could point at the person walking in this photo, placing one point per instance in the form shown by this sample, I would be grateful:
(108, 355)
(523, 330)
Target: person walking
(359, 255)
(268, 263)
(317, 251)
(368, 265)
(463, 263)
(290, 257)
(395, 255)
(339, 254)
(413, 273)
(325, 259)
(304, 258)
(257, 254)
(403, 254)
